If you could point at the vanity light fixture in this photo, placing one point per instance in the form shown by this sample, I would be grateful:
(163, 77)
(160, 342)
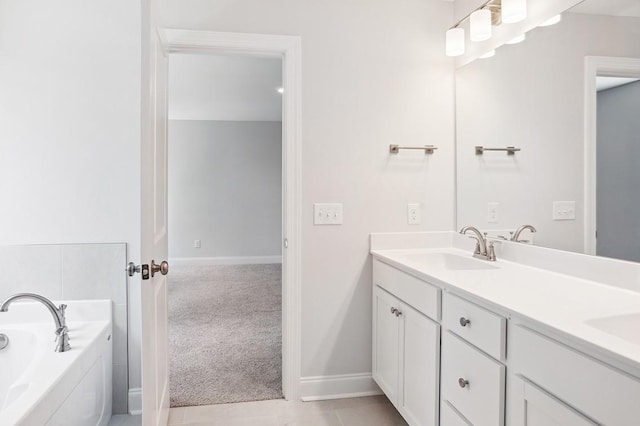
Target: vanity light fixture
(518, 39)
(513, 11)
(455, 42)
(551, 21)
(480, 25)
(481, 21)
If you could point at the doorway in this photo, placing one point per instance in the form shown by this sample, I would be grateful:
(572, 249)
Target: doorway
(288, 49)
(595, 67)
(225, 228)
(617, 171)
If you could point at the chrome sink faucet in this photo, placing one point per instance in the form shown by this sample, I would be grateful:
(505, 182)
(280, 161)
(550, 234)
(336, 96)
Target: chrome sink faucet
(62, 337)
(484, 250)
(516, 234)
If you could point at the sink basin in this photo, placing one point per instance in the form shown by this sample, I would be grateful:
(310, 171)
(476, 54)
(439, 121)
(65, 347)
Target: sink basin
(626, 327)
(448, 261)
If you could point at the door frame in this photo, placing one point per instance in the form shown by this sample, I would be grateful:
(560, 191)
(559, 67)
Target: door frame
(606, 66)
(289, 49)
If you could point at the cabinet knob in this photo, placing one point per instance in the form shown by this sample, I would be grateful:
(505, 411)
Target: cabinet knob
(393, 310)
(464, 321)
(463, 383)
(398, 313)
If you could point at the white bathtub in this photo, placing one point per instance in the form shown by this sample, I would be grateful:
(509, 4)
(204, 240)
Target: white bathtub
(41, 387)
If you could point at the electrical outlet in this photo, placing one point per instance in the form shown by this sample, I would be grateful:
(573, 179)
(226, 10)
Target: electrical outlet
(413, 214)
(564, 210)
(492, 212)
(197, 244)
(327, 214)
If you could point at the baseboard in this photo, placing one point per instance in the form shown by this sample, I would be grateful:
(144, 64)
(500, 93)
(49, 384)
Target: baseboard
(339, 386)
(229, 260)
(135, 401)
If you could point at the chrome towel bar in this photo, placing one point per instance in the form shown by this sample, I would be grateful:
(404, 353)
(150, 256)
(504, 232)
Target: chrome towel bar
(428, 149)
(510, 150)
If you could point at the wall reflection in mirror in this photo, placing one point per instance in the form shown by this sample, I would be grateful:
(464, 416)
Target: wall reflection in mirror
(531, 96)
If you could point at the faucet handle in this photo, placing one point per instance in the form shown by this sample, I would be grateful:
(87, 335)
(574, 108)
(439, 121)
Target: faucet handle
(491, 251)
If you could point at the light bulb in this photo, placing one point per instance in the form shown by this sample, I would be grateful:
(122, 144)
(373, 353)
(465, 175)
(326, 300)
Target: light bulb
(480, 25)
(455, 42)
(513, 11)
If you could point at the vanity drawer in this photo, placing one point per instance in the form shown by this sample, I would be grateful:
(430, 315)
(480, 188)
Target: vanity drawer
(422, 296)
(481, 398)
(602, 393)
(476, 325)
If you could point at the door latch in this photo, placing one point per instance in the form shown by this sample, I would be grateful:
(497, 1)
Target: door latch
(132, 268)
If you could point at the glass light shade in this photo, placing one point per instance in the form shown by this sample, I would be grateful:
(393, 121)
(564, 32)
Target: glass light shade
(513, 11)
(455, 42)
(551, 21)
(480, 25)
(518, 39)
(489, 54)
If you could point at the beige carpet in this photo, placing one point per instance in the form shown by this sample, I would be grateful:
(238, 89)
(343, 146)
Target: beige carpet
(225, 334)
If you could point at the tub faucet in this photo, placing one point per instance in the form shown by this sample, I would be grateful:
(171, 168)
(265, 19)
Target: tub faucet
(62, 337)
(483, 250)
(517, 232)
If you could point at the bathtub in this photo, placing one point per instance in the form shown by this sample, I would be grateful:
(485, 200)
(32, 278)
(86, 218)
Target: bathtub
(41, 387)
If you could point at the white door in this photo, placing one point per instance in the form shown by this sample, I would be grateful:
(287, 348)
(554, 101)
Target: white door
(420, 368)
(386, 343)
(154, 247)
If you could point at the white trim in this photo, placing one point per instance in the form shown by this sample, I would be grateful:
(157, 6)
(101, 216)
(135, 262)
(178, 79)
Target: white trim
(597, 66)
(226, 260)
(339, 386)
(289, 49)
(135, 401)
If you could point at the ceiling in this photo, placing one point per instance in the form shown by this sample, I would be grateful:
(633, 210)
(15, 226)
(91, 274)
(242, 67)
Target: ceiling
(609, 7)
(224, 87)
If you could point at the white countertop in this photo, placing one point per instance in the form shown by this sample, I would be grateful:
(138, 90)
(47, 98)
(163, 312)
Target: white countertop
(558, 302)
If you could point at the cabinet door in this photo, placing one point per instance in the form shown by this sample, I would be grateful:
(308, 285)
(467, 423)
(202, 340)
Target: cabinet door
(534, 407)
(386, 343)
(419, 367)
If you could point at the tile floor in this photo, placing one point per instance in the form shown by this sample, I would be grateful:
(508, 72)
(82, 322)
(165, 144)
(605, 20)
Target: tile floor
(368, 411)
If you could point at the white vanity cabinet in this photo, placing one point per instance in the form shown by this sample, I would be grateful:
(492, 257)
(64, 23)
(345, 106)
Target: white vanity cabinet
(551, 382)
(444, 357)
(406, 353)
(472, 376)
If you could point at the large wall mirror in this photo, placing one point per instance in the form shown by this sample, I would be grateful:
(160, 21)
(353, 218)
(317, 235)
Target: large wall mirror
(538, 96)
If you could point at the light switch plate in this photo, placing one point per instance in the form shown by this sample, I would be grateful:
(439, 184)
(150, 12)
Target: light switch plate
(564, 210)
(327, 214)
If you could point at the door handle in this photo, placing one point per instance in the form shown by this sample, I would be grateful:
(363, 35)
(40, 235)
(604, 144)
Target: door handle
(163, 267)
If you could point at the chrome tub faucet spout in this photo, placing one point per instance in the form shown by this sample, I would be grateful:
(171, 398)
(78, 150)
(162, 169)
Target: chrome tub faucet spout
(58, 314)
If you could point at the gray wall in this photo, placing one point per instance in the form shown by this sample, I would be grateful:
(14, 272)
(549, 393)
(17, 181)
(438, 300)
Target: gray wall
(618, 172)
(225, 188)
(75, 272)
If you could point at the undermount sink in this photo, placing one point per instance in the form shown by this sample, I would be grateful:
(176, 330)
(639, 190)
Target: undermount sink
(448, 261)
(626, 327)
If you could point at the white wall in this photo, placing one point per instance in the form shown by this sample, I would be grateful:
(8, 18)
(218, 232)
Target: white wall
(531, 96)
(70, 126)
(373, 73)
(225, 188)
